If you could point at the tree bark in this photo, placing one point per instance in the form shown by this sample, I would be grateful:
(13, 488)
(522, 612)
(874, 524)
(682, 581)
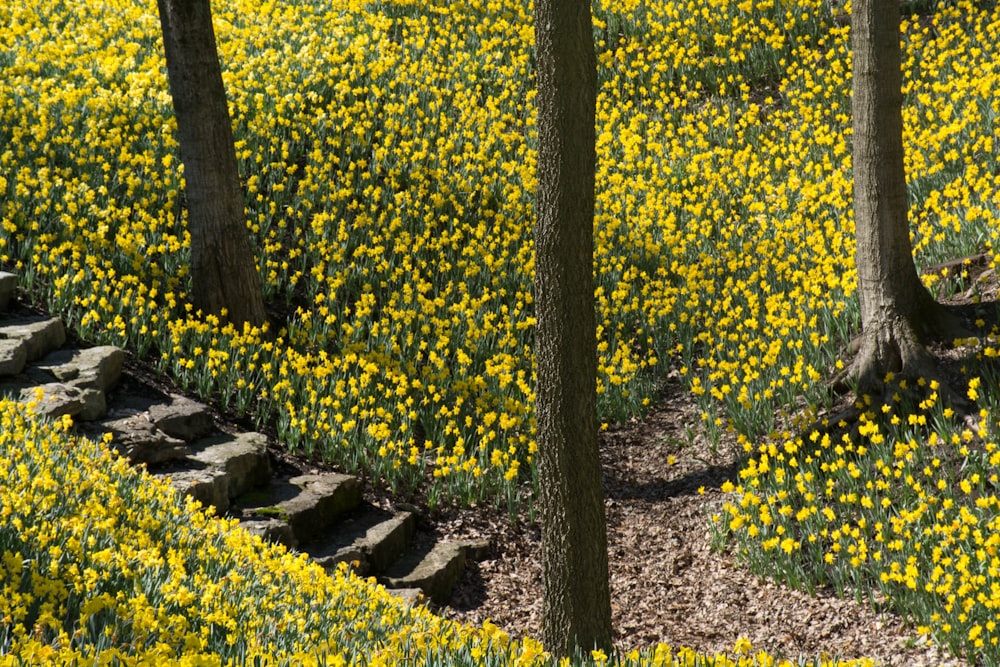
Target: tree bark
(576, 606)
(897, 311)
(224, 277)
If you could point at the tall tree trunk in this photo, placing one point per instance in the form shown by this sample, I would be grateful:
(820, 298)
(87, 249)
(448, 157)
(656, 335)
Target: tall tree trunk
(897, 312)
(224, 276)
(576, 606)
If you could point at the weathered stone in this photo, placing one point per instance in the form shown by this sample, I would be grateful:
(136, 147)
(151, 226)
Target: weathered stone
(323, 500)
(182, 418)
(95, 405)
(136, 438)
(209, 486)
(351, 554)
(242, 457)
(476, 549)
(409, 596)
(60, 399)
(92, 368)
(435, 572)
(309, 503)
(271, 530)
(8, 285)
(13, 356)
(373, 538)
(386, 541)
(41, 335)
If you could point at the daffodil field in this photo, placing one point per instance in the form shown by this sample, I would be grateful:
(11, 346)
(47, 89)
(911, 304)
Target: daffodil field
(387, 155)
(123, 572)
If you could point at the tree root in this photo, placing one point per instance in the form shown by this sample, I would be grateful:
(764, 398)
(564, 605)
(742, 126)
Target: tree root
(898, 347)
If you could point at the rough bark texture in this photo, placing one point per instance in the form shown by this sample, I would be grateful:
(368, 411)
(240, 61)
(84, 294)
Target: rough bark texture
(576, 605)
(897, 312)
(223, 272)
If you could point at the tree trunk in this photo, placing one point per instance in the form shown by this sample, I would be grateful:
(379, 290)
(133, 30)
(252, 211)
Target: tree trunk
(224, 276)
(897, 312)
(576, 606)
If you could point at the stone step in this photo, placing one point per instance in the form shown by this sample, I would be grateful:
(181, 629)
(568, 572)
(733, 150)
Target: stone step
(172, 434)
(91, 368)
(221, 468)
(13, 351)
(136, 438)
(40, 335)
(434, 570)
(71, 382)
(409, 596)
(55, 399)
(182, 418)
(309, 504)
(13, 356)
(152, 430)
(370, 538)
(209, 486)
(271, 529)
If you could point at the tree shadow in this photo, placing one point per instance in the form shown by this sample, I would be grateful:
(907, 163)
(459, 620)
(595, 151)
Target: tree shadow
(470, 592)
(618, 487)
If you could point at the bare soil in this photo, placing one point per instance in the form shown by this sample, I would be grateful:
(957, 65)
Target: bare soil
(668, 582)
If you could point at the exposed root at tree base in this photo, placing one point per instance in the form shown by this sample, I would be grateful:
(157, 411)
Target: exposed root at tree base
(897, 349)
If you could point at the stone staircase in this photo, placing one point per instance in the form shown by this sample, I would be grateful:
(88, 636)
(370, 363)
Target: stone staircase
(320, 513)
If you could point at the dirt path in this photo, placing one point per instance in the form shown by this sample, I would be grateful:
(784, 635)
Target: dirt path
(667, 582)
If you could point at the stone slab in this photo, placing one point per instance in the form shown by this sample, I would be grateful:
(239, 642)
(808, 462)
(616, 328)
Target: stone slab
(136, 438)
(434, 571)
(410, 596)
(91, 368)
(243, 458)
(271, 530)
(58, 399)
(209, 486)
(13, 356)
(41, 335)
(182, 418)
(373, 538)
(309, 503)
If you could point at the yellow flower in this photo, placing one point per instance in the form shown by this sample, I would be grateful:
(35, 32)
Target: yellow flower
(743, 646)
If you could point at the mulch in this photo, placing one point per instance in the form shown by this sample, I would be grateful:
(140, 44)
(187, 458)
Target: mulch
(669, 583)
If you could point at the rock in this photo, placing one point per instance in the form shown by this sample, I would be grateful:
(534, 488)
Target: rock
(271, 530)
(476, 549)
(434, 571)
(8, 285)
(384, 542)
(60, 399)
(352, 554)
(373, 538)
(309, 503)
(95, 405)
(242, 457)
(92, 368)
(409, 596)
(209, 486)
(40, 335)
(219, 469)
(182, 418)
(13, 356)
(136, 438)
(324, 498)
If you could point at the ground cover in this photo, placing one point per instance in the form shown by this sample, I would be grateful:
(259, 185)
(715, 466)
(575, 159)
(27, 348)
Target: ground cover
(388, 166)
(125, 572)
(670, 581)
(387, 154)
